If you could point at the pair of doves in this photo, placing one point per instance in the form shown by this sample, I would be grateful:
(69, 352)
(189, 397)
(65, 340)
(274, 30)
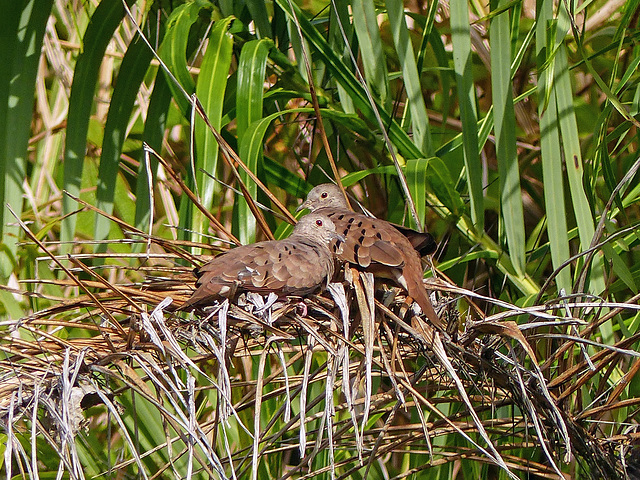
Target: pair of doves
(304, 262)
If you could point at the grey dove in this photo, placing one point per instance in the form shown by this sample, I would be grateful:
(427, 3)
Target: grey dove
(374, 245)
(297, 265)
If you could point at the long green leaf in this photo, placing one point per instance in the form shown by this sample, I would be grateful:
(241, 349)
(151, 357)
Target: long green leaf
(505, 128)
(258, 11)
(460, 37)
(173, 50)
(154, 128)
(276, 174)
(132, 71)
(440, 180)
(9, 24)
(446, 76)
(25, 22)
(104, 21)
(212, 83)
(416, 173)
(339, 25)
(411, 77)
(250, 93)
(573, 159)
(366, 26)
(550, 151)
(249, 100)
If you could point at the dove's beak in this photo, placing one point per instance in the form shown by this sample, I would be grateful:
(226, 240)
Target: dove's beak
(302, 206)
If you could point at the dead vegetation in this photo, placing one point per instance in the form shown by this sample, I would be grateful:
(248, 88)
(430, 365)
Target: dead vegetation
(361, 380)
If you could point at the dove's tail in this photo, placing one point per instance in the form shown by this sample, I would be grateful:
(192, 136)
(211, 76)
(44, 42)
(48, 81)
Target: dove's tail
(415, 288)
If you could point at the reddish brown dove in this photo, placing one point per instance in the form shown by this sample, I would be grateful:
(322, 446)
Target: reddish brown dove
(374, 245)
(297, 265)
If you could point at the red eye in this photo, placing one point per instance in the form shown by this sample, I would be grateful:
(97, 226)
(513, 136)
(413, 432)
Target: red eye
(319, 223)
(324, 195)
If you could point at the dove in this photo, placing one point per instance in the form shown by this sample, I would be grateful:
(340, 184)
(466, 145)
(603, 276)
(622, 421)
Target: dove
(374, 245)
(298, 265)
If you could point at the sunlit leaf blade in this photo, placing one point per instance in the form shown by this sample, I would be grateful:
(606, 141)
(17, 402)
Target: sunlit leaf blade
(416, 172)
(276, 174)
(620, 268)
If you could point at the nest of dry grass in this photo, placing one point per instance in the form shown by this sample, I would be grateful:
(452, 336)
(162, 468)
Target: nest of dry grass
(359, 382)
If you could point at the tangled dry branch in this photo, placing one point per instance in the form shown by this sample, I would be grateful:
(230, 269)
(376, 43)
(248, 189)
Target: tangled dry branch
(350, 376)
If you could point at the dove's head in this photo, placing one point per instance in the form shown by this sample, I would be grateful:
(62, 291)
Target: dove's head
(326, 195)
(319, 228)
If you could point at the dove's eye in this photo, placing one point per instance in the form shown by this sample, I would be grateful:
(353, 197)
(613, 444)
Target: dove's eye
(324, 195)
(319, 223)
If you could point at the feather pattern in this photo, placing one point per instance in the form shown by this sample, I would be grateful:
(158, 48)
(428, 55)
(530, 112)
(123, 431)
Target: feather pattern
(298, 265)
(375, 245)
